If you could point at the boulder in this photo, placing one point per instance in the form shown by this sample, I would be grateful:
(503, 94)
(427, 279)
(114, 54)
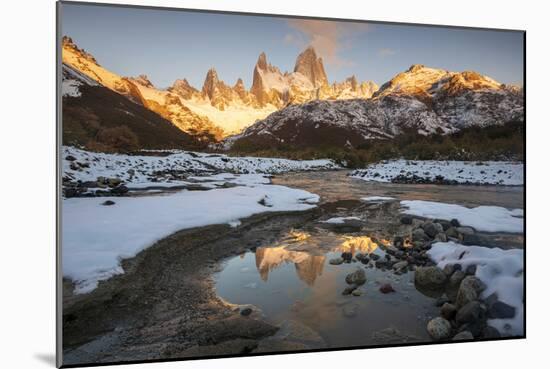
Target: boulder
(439, 328)
(470, 313)
(400, 266)
(464, 230)
(440, 237)
(455, 223)
(336, 261)
(456, 278)
(432, 229)
(406, 219)
(469, 290)
(357, 278)
(501, 310)
(448, 311)
(430, 277)
(451, 232)
(419, 235)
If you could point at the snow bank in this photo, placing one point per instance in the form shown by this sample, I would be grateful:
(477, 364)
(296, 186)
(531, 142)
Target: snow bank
(139, 171)
(489, 172)
(482, 218)
(96, 237)
(500, 270)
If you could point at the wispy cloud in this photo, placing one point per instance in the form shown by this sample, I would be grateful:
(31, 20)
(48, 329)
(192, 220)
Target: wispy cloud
(386, 52)
(328, 38)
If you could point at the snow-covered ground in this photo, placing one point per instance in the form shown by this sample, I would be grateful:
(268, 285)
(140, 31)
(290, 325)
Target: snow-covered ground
(96, 237)
(481, 218)
(139, 171)
(488, 172)
(500, 270)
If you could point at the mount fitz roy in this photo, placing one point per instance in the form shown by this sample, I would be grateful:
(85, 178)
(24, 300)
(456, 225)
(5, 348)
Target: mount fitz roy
(300, 108)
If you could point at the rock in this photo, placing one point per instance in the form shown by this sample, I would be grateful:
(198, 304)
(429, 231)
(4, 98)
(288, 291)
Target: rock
(490, 332)
(439, 328)
(464, 230)
(451, 232)
(336, 261)
(456, 278)
(444, 223)
(347, 256)
(357, 292)
(108, 203)
(349, 290)
(448, 311)
(471, 269)
(406, 219)
(463, 336)
(70, 158)
(386, 288)
(432, 229)
(448, 270)
(359, 256)
(120, 190)
(374, 257)
(430, 277)
(419, 235)
(501, 310)
(357, 278)
(455, 223)
(469, 290)
(113, 182)
(440, 237)
(381, 264)
(131, 171)
(470, 313)
(400, 266)
(246, 311)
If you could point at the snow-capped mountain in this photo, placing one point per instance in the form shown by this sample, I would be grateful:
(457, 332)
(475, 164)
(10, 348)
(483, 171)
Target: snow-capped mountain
(308, 82)
(219, 109)
(101, 119)
(422, 99)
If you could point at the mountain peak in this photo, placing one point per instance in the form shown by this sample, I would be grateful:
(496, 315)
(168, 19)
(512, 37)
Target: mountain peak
(311, 66)
(262, 61)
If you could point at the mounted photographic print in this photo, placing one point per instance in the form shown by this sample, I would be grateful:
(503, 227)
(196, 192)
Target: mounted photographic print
(234, 184)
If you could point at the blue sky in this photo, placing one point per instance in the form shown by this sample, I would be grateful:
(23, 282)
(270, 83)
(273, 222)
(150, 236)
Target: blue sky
(167, 45)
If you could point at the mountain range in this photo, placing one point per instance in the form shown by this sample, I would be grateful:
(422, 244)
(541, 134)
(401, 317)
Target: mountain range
(299, 108)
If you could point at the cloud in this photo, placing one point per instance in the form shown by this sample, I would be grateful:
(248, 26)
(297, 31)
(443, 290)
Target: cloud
(386, 52)
(328, 38)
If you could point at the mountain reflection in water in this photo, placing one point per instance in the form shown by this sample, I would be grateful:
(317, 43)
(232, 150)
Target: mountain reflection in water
(309, 263)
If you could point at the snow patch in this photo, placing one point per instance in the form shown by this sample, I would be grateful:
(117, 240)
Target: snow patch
(482, 218)
(97, 237)
(500, 270)
(489, 172)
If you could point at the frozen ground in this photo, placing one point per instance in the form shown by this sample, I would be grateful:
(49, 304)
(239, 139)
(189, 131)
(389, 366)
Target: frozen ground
(457, 172)
(178, 168)
(500, 270)
(482, 218)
